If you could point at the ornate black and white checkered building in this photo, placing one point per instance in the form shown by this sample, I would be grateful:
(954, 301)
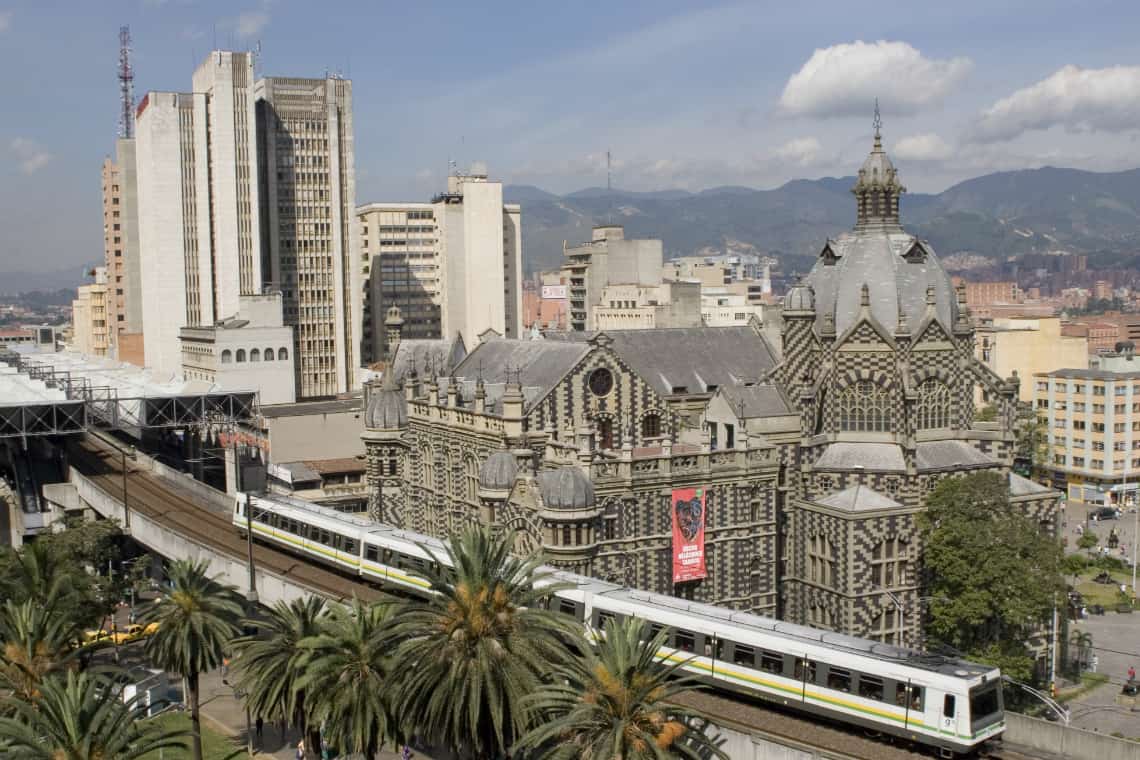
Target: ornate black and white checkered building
(815, 449)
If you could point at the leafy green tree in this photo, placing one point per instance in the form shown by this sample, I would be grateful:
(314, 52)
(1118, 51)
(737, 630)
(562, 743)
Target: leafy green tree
(480, 643)
(1031, 434)
(37, 642)
(197, 618)
(270, 665)
(992, 573)
(79, 716)
(987, 413)
(1088, 541)
(347, 679)
(613, 702)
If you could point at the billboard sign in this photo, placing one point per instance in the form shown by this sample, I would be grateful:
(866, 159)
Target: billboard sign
(688, 534)
(553, 291)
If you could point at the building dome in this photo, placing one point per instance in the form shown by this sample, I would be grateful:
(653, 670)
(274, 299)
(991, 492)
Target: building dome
(566, 488)
(386, 408)
(498, 471)
(901, 274)
(799, 298)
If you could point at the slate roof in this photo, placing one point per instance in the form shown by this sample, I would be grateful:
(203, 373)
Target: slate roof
(1019, 486)
(1088, 374)
(439, 356)
(697, 359)
(566, 488)
(879, 457)
(761, 400)
(948, 455)
(541, 364)
(858, 498)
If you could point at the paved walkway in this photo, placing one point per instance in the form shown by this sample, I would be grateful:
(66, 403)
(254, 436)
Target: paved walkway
(1116, 643)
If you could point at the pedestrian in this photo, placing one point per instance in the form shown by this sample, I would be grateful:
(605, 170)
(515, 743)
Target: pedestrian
(1095, 661)
(1131, 673)
(301, 750)
(260, 726)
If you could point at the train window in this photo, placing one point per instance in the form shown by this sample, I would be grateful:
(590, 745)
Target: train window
(604, 617)
(718, 649)
(771, 662)
(294, 527)
(325, 538)
(870, 687)
(948, 706)
(654, 629)
(685, 640)
(371, 553)
(567, 607)
(743, 655)
(837, 679)
(805, 670)
(350, 545)
(915, 696)
(387, 556)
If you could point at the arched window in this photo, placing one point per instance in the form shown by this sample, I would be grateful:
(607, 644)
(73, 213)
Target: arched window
(651, 425)
(864, 407)
(471, 478)
(269, 354)
(282, 354)
(428, 458)
(255, 355)
(606, 433)
(227, 356)
(240, 355)
(933, 405)
(821, 560)
(888, 563)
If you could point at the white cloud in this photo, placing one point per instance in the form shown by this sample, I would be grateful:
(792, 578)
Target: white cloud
(845, 79)
(1079, 99)
(924, 147)
(5, 21)
(29, 154)
(249, 24)
(803, 151)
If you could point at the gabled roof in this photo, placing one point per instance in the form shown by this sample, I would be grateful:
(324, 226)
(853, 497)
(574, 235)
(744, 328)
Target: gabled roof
(878, 457)
(695, 359)
(950, 455)
(760, 400)
(428, 356)
(858, 498)
(1019, 486)
(540, 364)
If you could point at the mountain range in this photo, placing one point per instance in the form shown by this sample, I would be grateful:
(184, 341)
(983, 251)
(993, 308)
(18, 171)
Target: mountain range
(981, 220)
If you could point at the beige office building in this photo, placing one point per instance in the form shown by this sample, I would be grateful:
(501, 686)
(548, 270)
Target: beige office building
(308, 239)
(452, 266)
(121, 254)
(90, 328)
(1028, 346)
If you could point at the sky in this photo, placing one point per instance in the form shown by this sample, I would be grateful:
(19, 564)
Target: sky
(683, 94)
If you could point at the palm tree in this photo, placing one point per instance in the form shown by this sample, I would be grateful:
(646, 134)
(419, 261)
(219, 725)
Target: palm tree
(1082, 640)
(612, 703)
(269, 667)
(197, 618)
(346, 678)
(36, 572)
(480, 642)
(80, 717)
(36, 643)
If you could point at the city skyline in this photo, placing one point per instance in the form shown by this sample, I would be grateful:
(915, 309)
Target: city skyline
(541, 99)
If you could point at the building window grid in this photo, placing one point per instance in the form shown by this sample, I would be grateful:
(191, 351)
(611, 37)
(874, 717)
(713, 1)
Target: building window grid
(864, 407)
(933, 405)
(889, 563)
(821, 560)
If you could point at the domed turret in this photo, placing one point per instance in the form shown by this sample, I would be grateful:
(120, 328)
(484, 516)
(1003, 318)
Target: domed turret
(386, 408)
(566, 488)
(799, 298)
(498, 471)
(878, 266)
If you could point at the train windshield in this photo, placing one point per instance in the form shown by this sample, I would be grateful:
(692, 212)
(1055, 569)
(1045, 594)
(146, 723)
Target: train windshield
(985, 706)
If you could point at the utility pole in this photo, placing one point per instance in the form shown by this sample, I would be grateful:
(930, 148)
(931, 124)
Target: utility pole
(251, 591)
(126, 507)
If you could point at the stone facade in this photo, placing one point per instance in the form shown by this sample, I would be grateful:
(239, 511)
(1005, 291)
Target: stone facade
(814, 466)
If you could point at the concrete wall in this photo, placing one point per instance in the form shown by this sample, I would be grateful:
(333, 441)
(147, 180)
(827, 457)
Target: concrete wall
(1030, 346)
(635, 262)
(316, 436)
(270, 588)
(129, 216)
(1034, 733)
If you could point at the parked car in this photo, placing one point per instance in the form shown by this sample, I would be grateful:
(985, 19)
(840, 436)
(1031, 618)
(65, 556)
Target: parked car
(96, 636)
(1105, 513)
(134, 632)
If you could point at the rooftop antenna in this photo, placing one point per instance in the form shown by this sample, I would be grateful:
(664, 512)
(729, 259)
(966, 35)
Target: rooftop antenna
(256, 59)
(126, 85)
(878, 123)
(609, 187)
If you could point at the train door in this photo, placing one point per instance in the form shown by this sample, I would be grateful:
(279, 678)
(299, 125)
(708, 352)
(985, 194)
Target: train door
(948, 719)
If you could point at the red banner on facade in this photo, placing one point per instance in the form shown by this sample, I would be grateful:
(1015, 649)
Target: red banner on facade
(688, 534)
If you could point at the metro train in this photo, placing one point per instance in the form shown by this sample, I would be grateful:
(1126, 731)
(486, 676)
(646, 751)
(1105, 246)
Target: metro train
(948, 704)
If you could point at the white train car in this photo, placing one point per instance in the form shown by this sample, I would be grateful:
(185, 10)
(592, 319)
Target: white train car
(946, 703)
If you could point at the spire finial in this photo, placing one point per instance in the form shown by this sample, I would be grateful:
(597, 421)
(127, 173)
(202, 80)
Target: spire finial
(865, 296)
(878, 126)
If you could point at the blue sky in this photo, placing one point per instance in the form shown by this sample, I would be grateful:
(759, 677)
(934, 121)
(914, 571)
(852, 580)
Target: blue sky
(685, 94)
